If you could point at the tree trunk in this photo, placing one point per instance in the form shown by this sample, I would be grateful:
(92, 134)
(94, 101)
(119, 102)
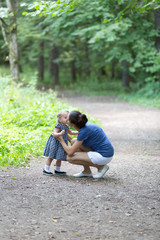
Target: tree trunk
(51, 63)
(10, 37)
(87, 64)
(41, 62)
(113, 64)
(73, 71)
(103, 71)
(13, 54)
(54, 66)
(101, 74)
(157, 26)
(125, 74)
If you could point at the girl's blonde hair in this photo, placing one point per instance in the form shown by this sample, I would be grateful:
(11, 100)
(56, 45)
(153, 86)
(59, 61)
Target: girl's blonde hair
(60, 114)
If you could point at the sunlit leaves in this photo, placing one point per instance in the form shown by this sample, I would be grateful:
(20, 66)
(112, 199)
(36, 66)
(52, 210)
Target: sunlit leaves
(53, 8)
(27, 117)
(4, 12)
(134, 6)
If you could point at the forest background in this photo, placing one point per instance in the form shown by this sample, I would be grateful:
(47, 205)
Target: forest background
(88, 47)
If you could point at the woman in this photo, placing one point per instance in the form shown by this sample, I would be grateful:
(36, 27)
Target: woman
(92, 148)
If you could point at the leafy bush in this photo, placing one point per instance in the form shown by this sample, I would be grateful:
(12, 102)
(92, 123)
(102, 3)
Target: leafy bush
(27, 117)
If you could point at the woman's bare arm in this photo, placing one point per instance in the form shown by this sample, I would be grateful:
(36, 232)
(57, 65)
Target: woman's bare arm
(69, 138)
(57, 132)
(70, 150)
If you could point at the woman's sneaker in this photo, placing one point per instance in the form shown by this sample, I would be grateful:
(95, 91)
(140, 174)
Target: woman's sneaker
(81, 174)
(102, 172)
(47, 173)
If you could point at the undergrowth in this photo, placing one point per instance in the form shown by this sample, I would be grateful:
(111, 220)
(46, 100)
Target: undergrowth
(27, 117)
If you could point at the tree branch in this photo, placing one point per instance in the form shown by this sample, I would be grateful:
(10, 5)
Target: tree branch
(4, 27)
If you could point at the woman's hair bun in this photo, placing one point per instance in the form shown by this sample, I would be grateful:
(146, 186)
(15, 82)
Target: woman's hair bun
(78, 119)
(83, 119)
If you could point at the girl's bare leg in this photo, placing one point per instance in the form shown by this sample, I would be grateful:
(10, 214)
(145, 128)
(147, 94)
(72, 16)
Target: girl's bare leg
(48, 164)
(49, 161)
(58, 167)
(58, 163)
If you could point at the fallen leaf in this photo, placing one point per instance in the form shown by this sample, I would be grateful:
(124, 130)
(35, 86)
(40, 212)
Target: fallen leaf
(78, 235)
(54, 220)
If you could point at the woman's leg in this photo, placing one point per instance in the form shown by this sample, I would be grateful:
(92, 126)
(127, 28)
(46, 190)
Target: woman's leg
(81, 158)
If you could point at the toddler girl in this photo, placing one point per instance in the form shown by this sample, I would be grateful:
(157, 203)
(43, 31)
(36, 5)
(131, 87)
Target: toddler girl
(53, 148)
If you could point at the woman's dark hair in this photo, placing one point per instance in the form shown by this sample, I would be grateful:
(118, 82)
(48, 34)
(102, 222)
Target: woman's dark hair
(78, 119)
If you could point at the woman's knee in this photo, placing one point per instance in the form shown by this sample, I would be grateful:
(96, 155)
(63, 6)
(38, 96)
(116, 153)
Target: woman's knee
(73, 140)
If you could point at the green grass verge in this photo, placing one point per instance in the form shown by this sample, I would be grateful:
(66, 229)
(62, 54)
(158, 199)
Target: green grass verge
(27, 117)
(148, 96)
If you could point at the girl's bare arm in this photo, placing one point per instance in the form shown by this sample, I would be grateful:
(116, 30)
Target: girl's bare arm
(72, 132)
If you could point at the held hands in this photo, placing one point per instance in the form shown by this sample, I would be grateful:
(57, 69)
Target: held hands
(59, 135)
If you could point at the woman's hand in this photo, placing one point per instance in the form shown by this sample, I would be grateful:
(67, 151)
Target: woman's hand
(62, 132)
(59, 135)
(59, 138)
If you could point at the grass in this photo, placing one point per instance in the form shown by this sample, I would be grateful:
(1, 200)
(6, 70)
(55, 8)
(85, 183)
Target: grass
(141, 100)
(148, 96)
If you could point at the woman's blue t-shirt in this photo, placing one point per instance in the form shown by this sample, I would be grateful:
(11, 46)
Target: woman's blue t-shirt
(94, 137)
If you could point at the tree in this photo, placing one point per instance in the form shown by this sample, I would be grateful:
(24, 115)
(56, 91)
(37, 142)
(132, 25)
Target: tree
(104, 35)
(54, 66)
(41, 62)
(9, 31)
(125, 76)
(157, 26)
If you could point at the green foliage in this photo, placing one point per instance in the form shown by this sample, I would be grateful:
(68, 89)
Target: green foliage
(27, 117)
(53, 8)
(147, 96)
(97, 26)
(3, 12)
(96, 35)
(134, 6)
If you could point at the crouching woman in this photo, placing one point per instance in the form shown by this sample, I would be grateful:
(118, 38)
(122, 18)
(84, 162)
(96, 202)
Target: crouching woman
(92, 148)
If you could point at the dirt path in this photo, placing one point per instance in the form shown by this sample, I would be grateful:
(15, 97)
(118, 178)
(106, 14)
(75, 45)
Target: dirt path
(124, 205)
